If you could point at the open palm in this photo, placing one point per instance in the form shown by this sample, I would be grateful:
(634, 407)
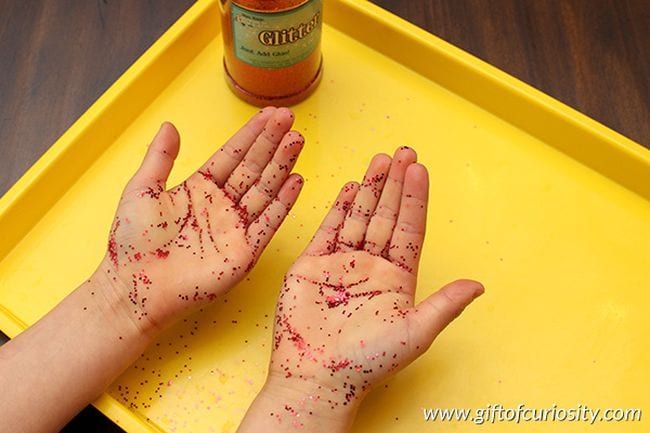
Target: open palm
(345, 317)
(174, 249)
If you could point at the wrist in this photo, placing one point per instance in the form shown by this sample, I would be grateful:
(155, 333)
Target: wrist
(83, 344)
(287, 404)
(107, 296)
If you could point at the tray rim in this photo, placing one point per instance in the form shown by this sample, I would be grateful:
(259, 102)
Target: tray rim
(10, 324)
(635, 157)
(11, 201)
(516, 99)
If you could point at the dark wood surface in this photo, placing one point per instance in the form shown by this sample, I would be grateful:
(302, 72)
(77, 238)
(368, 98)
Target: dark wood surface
(593, 55)
(58, 56)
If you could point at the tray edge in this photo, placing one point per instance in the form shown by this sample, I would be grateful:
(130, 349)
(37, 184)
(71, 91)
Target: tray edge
(30, 180)
(587, 141)
(12, 203)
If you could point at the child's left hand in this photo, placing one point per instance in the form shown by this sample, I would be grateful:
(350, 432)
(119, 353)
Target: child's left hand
(171, 250)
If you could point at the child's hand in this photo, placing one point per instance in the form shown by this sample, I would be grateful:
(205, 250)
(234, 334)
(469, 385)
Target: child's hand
(171, 250)
(168, 251)
(345, 318)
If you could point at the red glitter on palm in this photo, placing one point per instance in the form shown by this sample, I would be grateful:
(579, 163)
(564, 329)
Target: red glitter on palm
(170, 250)
(346, 317)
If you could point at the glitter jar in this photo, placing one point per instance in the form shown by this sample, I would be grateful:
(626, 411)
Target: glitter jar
(272, 52)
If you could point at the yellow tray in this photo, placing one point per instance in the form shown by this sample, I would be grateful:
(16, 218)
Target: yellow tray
(545, 206)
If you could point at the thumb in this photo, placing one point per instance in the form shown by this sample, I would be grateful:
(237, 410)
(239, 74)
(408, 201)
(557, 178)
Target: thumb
(438, 310)
(159, 160)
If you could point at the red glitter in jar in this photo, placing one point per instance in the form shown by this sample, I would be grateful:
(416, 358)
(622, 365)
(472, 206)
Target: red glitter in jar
(272, 52)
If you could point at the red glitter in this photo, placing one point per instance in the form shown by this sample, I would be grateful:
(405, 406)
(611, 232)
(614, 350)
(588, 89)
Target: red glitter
(207, 175)
(112, 244)
(161, 254)
(338, 365)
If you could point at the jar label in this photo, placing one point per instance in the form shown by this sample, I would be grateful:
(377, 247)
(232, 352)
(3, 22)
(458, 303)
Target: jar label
(276, 39)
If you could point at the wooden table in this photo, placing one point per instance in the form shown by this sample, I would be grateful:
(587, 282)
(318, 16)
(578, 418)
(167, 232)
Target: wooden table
(58, 56)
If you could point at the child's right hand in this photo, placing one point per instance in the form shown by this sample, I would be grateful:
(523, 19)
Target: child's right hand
(345, 318)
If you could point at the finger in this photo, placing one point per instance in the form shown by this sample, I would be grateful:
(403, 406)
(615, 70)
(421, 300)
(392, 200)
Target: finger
(273, 176)
(434, 313)
(408, 235)
(325, 240)
(261, 230)
(382, 222)
(259, 155)
(158, 161)
(356, 221)
(222, 163)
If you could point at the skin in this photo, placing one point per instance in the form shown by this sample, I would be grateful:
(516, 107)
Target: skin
(346, 318)
(216, 223)
(169, 251)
